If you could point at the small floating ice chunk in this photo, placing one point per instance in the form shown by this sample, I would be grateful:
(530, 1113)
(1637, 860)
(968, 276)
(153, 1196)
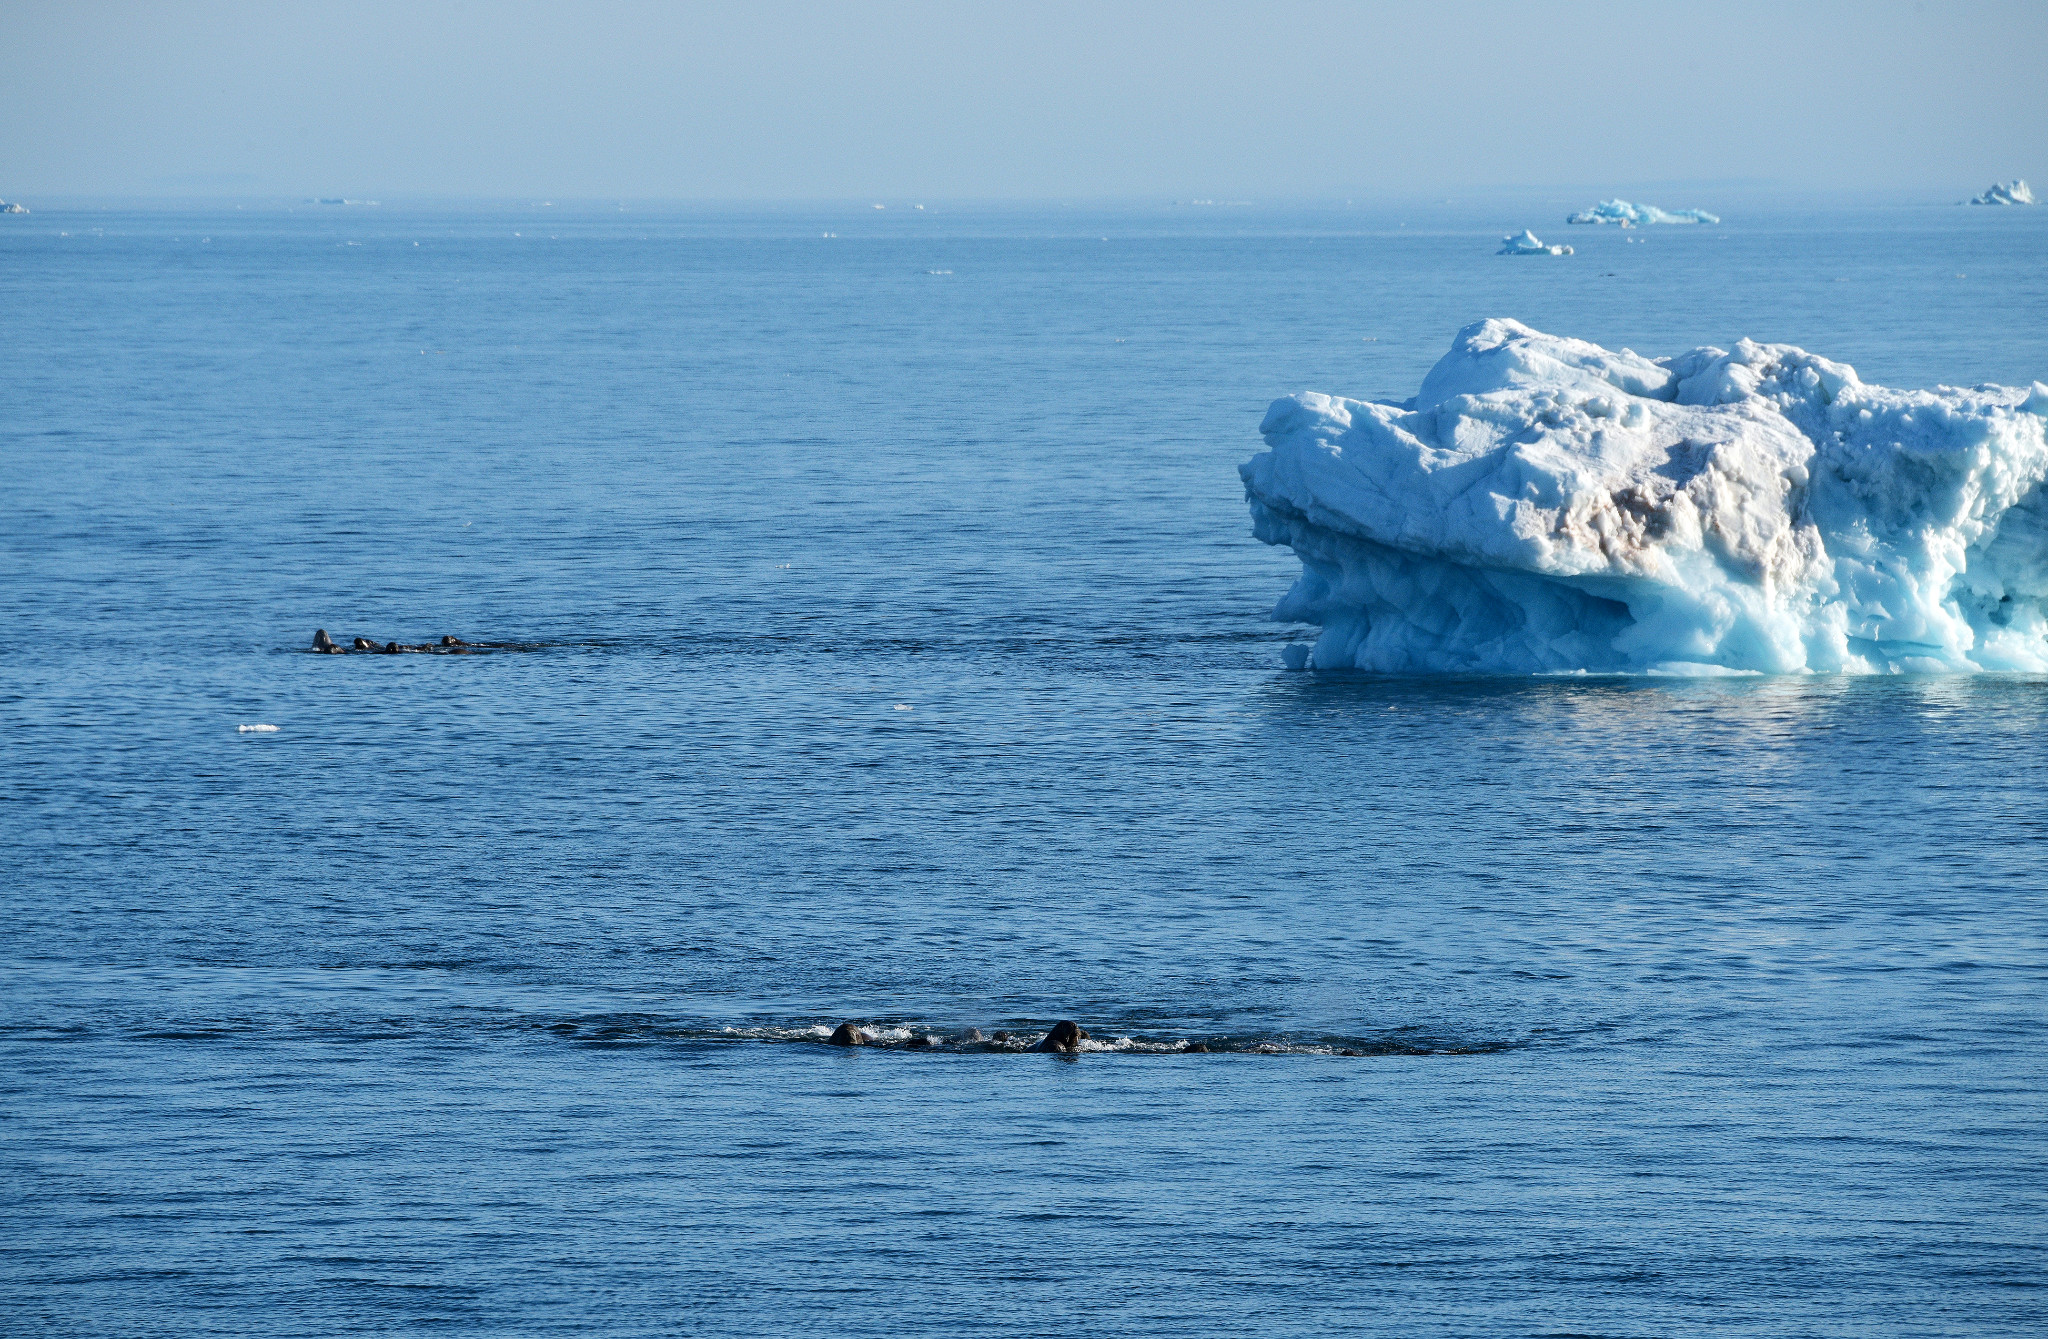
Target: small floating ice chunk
(256, 729)
(2012, 192)
(1529, 244)
(1630, 216)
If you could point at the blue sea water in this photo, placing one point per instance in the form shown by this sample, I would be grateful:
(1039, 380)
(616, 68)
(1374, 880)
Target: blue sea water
(900, 655)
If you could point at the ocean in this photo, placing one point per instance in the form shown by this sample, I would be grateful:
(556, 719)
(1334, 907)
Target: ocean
(885, 642)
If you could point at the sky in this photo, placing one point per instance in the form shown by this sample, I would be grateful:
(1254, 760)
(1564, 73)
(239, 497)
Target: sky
(762, 100)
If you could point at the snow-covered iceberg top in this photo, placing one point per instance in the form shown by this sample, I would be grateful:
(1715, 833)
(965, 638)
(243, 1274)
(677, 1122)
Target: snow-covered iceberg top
(1529, 244)
(1628, 215)
(1544, 505)
(2012, 192)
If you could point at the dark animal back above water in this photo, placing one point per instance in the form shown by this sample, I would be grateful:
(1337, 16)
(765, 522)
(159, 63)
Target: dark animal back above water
(447, 645)
(1066, 1037)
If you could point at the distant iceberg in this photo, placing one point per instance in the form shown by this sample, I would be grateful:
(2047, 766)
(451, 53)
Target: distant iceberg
(2012, 192)
(16, 208)
(1633, 216)
(1546, 506)
(1529, 244)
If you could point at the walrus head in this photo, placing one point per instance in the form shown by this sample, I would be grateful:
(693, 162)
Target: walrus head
(1066, 1036)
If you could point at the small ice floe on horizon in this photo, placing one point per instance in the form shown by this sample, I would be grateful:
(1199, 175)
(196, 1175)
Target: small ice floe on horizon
(2012, 192)
(16, 208)
(1547, 506)
(938, 271)
(256, 729)
(1631, 216)
(902, 706)
(1529, 244)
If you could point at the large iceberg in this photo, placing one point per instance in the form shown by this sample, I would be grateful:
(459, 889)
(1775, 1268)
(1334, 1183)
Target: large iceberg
(2012, 192)
(1529, 244)
(1546, 506)
(1629, 216)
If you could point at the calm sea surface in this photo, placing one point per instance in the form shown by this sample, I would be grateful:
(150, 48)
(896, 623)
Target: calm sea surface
(901, 656)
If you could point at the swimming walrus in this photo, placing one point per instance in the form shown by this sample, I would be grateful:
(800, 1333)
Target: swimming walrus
(324, 644)
(846, 1034)
(1066, 1037)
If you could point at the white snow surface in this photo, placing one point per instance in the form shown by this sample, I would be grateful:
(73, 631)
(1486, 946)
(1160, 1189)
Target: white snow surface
(1529, 244)
(1547, 506)
(2012, 192)
(1628, 215)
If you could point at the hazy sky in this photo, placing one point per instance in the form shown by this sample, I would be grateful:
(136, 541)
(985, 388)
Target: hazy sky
(757, 100)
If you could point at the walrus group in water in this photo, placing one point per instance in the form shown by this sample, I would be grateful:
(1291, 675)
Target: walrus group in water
(1065, 1038)
(326, 646)
(1062, 1038)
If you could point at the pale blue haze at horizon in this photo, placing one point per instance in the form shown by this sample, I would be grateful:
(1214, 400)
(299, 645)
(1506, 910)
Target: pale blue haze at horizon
(771, 101)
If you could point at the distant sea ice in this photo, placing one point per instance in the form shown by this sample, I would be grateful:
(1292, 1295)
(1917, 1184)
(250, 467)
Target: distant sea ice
(1632, 216)
(2012, 192)
(1529, 244)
